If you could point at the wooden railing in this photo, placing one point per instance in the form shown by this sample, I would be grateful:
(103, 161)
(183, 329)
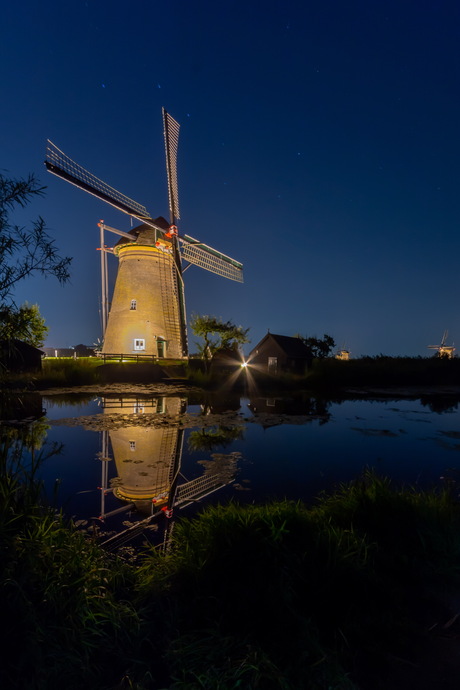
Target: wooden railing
(124, 357)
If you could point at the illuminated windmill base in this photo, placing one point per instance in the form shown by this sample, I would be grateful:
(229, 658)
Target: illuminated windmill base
(145, 316)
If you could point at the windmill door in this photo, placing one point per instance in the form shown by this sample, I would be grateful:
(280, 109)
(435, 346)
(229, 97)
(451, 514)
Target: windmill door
(161, 348)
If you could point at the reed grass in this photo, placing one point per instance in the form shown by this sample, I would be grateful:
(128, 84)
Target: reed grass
(68, 372)
(258, 597)
(319, 594)
(384, 371)
(326, 374)
(415, 529)
(64, 604)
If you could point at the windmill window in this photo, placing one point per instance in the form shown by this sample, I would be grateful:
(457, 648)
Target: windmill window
(132, 445)
(139, 344)
(134, 304)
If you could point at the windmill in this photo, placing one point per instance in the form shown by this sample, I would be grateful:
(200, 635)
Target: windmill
(343, 354)
(147, 313)
(443, 349)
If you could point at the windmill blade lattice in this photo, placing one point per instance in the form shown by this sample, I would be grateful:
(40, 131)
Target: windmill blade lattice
(201, 255)
(58, 163)
(171, 135)
(193, 251)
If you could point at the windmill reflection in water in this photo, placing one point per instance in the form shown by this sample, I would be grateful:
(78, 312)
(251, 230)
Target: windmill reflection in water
(148, 461)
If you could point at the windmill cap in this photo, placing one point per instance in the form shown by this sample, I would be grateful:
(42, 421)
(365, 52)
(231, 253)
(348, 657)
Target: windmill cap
(144, 234)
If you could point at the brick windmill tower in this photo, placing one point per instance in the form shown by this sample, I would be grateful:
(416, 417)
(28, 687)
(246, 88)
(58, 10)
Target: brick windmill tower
(147, 314)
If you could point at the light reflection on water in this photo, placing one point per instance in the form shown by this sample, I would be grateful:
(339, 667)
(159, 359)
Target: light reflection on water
(276, 457)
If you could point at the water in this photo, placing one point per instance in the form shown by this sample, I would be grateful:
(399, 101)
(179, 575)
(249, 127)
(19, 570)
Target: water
(281, 448)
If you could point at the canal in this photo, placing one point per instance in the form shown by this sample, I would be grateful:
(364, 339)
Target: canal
(124, 458)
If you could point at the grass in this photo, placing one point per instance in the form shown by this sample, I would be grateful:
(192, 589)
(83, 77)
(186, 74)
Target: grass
(68, 372)
(282, 596)
(63, 601)
(330, 375)
(325, 375)
(303, 589)
(385, 371)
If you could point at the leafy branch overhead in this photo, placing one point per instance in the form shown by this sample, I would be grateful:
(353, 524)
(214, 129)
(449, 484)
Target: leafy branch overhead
(25, 252)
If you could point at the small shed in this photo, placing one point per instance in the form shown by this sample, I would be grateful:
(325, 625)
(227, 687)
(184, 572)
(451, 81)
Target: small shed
(16, 355)
(275, 354)
(84, 350)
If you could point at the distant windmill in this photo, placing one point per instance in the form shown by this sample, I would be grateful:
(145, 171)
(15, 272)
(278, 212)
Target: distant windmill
(147, 314)
(443, 349)
(343, 354)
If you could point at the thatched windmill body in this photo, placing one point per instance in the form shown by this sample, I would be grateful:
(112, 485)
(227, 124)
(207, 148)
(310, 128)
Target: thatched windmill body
(147, 314)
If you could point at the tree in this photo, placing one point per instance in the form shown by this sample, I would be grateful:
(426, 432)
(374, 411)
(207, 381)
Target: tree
(227, 335)
(25, 323)
(208, 439)
(25, 252)
(319, 348)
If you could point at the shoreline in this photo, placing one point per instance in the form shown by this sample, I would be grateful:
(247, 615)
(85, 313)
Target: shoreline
(184, 388)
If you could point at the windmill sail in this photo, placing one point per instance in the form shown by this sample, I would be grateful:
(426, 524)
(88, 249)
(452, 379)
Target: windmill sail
(193, 251)
(171, 136)
(201, 255)
(58, 163)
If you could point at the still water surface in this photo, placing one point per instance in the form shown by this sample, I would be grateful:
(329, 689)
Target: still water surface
(267, 448)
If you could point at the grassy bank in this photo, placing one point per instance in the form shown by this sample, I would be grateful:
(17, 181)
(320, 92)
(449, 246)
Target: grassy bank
(283, 595)
(325, 375)
(85, 371)
(333, 376)
(385, 371)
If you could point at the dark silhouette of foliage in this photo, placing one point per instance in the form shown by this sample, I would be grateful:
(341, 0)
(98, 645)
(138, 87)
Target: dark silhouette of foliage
(24, 323)
(227, 335)
(319, 347)
(25, 251)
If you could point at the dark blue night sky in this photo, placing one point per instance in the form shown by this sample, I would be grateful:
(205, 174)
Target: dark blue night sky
(319, 146)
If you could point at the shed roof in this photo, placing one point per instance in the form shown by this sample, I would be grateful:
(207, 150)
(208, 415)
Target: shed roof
(292, 347)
